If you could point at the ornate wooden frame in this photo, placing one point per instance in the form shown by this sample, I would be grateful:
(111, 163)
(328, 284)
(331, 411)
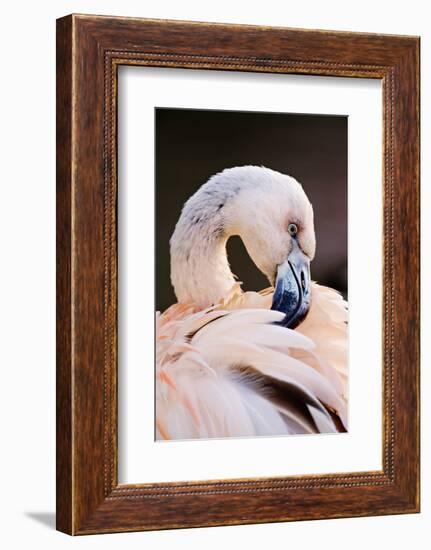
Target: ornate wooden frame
(89, 51)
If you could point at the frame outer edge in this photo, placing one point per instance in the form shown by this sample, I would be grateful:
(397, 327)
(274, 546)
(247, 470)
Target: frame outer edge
(407, 265)
(64, 368)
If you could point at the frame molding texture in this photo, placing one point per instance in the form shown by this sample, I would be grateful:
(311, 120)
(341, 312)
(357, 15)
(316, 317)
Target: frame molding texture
(89, 51)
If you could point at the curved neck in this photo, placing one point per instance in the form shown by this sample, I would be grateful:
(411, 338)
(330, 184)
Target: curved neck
(200, 271)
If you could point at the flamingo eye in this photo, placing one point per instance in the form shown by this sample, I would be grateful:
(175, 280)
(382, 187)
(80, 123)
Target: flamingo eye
(293, 229)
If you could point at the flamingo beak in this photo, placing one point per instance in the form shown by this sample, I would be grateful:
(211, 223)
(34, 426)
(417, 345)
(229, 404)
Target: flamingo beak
(292, 294)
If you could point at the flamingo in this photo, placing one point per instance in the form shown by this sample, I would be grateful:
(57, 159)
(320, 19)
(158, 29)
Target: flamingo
(231, 363)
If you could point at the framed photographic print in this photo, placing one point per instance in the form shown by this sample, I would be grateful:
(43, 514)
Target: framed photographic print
(237, 274)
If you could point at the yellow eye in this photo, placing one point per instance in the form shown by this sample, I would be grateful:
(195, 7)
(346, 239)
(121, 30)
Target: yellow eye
(293, 229)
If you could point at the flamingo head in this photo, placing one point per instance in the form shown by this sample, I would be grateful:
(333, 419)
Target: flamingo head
(274, 219)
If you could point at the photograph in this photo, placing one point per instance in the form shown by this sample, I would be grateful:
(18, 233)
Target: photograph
(251, 252)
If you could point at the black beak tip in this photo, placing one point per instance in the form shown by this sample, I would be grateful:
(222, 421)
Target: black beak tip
(292, 296)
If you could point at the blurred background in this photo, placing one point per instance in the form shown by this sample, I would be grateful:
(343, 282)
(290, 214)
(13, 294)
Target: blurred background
(192, 145)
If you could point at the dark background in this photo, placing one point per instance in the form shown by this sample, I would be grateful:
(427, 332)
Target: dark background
(192, 145)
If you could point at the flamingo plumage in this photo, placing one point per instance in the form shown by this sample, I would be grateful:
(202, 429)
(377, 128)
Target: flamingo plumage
(234, 364)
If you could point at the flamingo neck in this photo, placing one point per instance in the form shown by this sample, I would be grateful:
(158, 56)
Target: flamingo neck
(200, 271)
